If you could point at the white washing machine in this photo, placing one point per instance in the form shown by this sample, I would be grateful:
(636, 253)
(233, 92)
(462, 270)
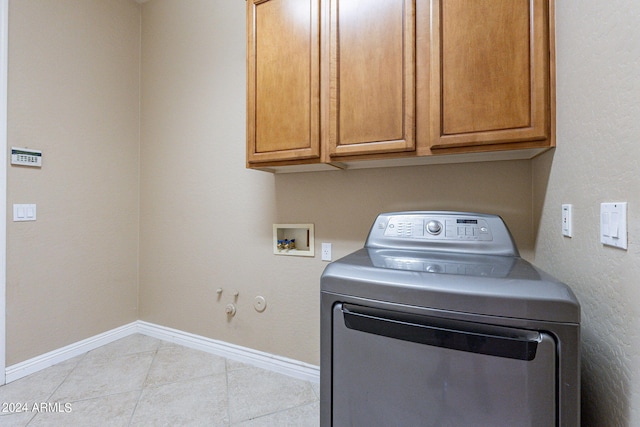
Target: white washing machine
(438, 322)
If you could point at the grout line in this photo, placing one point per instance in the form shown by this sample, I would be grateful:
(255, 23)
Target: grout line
(31, 419)
(48, 399)
(226, 375)
(155, 355)
(228, 368)
(257, 358)
(302, 405)
(82, 357)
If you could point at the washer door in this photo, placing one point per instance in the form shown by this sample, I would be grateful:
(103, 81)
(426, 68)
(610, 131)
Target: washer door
(397, 369)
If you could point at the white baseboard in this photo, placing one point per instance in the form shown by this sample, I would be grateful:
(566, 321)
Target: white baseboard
(282, 365)
(51, 358)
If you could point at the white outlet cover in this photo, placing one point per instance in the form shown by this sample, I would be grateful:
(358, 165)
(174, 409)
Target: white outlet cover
(613, 224)
(25, 212)
(567, 226)
(326, 251)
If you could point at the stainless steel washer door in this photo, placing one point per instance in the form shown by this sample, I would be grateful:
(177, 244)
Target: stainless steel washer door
(397, 369)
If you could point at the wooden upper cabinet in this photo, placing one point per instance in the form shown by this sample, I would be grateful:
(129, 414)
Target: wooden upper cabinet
(283, 80)
(490, 76)
(371, 64)
(382, 82)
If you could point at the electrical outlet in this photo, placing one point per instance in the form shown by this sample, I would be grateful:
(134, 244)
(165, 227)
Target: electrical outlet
(326, 252)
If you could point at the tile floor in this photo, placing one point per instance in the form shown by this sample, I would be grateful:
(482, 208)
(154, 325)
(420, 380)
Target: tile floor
(143, 381)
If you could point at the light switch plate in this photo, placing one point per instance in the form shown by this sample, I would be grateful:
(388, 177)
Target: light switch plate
(22, 212)
(613, 224)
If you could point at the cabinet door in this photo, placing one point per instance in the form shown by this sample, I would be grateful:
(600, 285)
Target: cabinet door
(371, 76)
(283, 80)
(489, 72)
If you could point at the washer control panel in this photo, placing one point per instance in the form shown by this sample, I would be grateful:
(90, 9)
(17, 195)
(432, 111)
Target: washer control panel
(442, 231)
(436, 227)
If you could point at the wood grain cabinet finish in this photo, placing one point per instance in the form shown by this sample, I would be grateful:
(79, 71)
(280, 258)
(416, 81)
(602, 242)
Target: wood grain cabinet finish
(371, 76)
(283, 80)
(489, 72)
(339, 83)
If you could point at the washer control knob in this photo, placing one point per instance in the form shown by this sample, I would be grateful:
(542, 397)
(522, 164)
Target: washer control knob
(434, 227)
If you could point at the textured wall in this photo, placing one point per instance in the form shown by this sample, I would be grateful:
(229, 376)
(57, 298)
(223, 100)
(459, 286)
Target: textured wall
(73, 93)
(598, 129)
(206, 221)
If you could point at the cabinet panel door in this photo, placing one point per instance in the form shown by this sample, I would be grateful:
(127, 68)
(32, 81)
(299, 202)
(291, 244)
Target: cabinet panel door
(372, 76)
(283, 80)
(490, 72)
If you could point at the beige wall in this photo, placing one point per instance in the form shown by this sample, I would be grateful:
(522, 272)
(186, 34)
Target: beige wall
(206, 221)
(73, 93)
(597, 160)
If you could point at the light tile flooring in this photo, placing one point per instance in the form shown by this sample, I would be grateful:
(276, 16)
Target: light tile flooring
(143, 381)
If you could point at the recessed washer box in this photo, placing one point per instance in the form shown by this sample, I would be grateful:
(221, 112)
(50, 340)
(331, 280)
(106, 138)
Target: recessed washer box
(293, 239)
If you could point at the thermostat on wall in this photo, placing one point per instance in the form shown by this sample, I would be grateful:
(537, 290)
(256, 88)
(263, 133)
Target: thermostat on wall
(26, 157)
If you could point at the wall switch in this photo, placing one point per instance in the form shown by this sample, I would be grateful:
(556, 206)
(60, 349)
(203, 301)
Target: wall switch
(326, 252)
(613, 224)
(23, 212)
(567, 228)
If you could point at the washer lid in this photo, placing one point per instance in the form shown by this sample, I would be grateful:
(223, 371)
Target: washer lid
(469, 283)
(444, 263)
